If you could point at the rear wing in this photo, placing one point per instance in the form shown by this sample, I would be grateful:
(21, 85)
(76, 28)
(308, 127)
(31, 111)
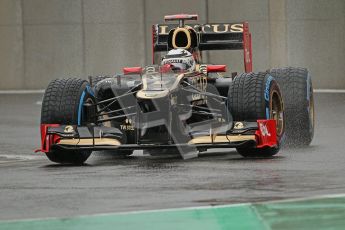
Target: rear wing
(213, 36)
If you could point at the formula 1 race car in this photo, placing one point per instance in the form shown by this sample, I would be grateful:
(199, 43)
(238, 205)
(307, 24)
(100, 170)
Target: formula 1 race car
(179, 104)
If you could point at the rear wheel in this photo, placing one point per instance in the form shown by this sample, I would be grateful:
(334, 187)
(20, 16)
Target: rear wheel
(254, 96)
(297, 90)
(62, 104)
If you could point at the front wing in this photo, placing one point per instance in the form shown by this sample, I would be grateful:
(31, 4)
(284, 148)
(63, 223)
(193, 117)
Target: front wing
(258, 134)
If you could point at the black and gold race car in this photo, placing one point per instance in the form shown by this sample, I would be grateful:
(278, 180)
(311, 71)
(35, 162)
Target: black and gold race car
(163, 109)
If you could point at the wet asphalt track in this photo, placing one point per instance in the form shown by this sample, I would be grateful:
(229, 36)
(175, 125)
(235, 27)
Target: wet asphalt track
(33, 187)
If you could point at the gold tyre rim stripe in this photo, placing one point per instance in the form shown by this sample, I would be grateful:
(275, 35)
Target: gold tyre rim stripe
(277, 111)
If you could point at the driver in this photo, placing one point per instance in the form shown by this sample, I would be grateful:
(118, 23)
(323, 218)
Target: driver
(180, 59)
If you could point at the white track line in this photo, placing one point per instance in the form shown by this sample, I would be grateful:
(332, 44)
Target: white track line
(329, 90)
(220, 206)
(20, 157)
(34, 91)
(186, 208)
(317, 197)
(130, 212)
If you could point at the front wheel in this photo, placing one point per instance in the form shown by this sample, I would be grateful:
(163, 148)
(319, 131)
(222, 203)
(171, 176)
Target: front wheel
(297, 89)
(63, 104)
(254, 96)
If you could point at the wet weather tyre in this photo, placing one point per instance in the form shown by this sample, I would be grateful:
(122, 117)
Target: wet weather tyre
(61, 104)
(254, 96)
(297, 89)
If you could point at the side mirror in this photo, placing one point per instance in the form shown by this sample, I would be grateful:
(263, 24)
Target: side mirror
(216, 68)
(132, 70)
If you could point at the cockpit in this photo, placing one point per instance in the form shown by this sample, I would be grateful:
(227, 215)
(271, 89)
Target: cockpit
(160, 78)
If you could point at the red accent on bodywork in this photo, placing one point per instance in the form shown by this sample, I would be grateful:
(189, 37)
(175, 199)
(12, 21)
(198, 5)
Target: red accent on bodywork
(266, 135)
(47, 140)
(216, 68)
(247, 48)
(132, 70)
(181, 17)
(166, 68)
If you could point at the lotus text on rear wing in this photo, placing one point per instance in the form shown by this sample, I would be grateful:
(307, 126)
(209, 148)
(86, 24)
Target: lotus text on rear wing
(209, 28)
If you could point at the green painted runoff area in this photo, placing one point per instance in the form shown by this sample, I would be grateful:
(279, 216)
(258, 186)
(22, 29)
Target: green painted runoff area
(321, 213)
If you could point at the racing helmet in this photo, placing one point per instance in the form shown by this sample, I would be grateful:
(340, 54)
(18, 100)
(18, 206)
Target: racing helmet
(180, 59)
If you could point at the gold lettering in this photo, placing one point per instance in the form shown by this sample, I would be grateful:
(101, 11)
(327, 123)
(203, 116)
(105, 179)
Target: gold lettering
(127, 127)
(216, 28)
(203, 28)
(236, 28)
(163, 30)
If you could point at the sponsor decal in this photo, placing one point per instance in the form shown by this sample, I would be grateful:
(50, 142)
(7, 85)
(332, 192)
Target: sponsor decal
(150, 69)
(188, 62)
(199, 82)
(238, 125)
(69, 129)
(107, 81)
(170, 61)
(206, 28)
(267, 88)
(196, 96)
(199, 102)
(203, 69)
(264, 130)
(163, 30)
(222, 28)
(221, 119)
(128, 125)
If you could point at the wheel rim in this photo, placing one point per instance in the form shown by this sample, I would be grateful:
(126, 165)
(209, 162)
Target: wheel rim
(277, 111)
